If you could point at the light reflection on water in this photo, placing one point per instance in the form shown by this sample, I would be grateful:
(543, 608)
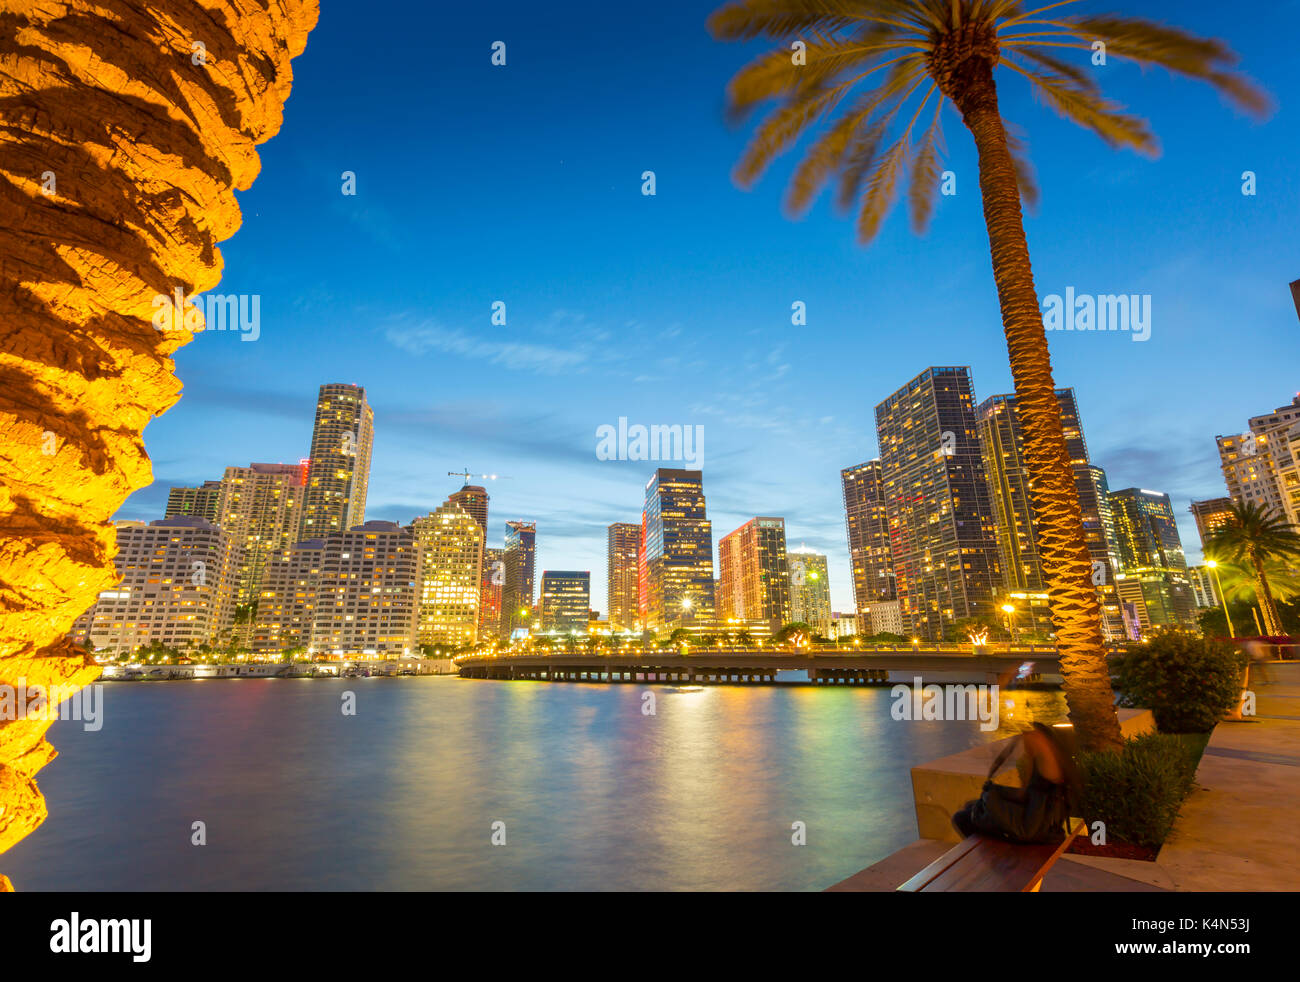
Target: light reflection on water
(594, 794)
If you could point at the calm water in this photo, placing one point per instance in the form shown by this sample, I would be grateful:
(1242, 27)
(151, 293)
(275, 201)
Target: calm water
(402, 796)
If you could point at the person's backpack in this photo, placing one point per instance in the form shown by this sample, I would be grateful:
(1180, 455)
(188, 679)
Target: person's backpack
(1036, 814)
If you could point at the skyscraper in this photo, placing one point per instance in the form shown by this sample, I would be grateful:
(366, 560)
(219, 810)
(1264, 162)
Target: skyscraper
(368, 598)
(677, 542)
(174, 587)
(338, 472)
(520, 558)
(450, 541)
(286, 606)
(810, 594)
(199, 502)
(868, 526)
(565, 601)
(1154, 573)
(941, 528)
(489, 596)
(755, 579)
(260, 508)
(1260, 467)
(1002, 445)
(1211, 515)
(624, 544)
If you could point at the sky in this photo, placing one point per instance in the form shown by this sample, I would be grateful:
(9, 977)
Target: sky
(523, 183)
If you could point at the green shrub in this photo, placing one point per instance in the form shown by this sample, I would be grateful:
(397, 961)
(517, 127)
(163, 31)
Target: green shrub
(1188, 683)
(1137, 792)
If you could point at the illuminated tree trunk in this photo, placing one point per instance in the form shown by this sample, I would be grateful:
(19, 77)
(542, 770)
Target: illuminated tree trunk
(1067, 563)
(125, 128)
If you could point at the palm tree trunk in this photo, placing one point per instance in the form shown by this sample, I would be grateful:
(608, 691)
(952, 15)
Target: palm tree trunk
(1272, 622)
(127, 127)
(1067, 563)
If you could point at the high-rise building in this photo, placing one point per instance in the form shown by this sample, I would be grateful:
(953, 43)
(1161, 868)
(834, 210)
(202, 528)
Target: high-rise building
(1153, 572)
(1211, 515)
(810, 590)
(368, 598)
(1002, 444)
(489, 595)
(867, 522)
(755, 576)
(1201, 581)
(677, 543)
(338, 473)
(199, 502)
(261, 510)
(174, 588)
(286, 606)
(450, 540)
(624, 546)
(942, 537)
(1260, 467)
(520, 559)
(565, 601)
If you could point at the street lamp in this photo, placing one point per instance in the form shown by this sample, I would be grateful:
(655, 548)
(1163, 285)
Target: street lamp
(1010, 610)
(1214, 568)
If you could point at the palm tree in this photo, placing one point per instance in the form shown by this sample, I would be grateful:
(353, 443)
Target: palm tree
(955, 46)
(1256, 539)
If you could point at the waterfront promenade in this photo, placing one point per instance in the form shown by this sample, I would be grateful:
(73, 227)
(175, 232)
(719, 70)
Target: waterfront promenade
(1234, 832)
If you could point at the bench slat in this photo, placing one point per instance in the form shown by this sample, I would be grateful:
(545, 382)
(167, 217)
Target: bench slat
(979, 864)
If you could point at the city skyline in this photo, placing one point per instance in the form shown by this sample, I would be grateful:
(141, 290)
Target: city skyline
(182, 500)
(348, 292)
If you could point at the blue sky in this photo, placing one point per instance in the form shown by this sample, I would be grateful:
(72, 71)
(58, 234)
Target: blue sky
(522, 184)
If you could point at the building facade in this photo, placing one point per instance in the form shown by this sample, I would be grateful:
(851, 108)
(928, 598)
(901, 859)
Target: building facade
(810, 590)
(260, 508)
(565, 601)
(450, 541)
(519, 567)
(676, 568)
(1260, 466)
(368, 598)
(1153, 574)
(338, 473)
(286, 607)
(942, 534)
(199, 502)
(867, 522)
(754, 580)
(175, 588)
(1211, 515)
(623, 548)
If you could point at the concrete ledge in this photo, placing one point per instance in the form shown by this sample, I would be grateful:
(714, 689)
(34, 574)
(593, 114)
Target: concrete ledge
(943, 786)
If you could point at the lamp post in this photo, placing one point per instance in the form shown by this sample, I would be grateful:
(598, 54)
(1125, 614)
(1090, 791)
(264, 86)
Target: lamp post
(1010, 610)
(1214, 569)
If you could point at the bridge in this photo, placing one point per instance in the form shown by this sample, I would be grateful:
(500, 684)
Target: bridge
(835, 666)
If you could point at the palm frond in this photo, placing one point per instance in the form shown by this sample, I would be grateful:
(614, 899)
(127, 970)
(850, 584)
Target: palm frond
(1089, 109)
(1024, 167)
(827, 154)
(882, 191)
(925, 174)
(1177, 50)
(744, 20)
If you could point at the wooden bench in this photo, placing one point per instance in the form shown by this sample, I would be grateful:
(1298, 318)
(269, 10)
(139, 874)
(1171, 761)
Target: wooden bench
(979, 864)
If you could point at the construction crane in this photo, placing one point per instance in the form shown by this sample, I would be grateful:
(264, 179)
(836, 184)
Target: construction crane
(467, 474)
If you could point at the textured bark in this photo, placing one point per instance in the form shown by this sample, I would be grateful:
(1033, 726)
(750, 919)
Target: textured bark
(145, 149)
(967, 78)
(1264, 593)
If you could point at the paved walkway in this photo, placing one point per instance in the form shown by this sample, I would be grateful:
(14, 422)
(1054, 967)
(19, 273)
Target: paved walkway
(1236, 830)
